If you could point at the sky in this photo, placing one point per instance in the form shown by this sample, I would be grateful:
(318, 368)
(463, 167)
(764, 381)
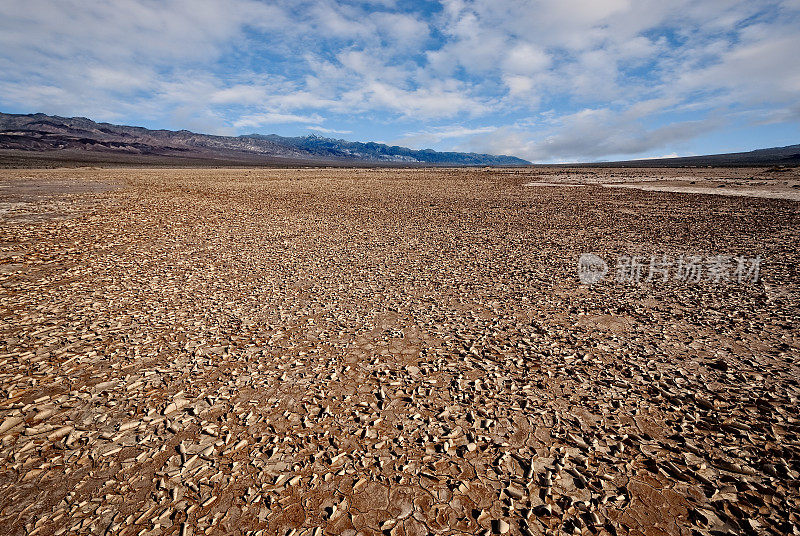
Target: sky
(548, 81)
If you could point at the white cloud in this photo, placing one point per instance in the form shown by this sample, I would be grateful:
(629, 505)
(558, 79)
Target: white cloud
(568, 79)
(659, 157)
(329, 130)
(441, 100)
(519, 85)
(240, 94)
(272, 118)
(588, 135)
(401, 29)
(110, 60)
(426, 138)
(120, 80)
(148, 32)
(525, 59)
(765, 68)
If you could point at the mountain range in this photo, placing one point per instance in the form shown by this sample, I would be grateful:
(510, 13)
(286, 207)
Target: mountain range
(773, 156)
(82, 138)
(44, 140)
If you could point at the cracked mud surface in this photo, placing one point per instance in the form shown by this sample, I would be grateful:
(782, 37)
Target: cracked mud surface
(389, 352)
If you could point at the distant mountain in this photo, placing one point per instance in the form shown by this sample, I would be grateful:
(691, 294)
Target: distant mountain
(774, 156)
(78, 137)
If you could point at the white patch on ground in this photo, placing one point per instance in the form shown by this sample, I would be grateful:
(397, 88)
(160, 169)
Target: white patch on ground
(741, 192)
(551, 184)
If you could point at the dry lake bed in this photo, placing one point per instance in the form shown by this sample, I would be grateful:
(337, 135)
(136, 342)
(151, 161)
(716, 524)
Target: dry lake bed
(399, 351)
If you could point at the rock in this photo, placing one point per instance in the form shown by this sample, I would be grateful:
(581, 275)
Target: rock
(60, 433)
(500, 526)
(515, 492)
(176, 405)
(9, 423)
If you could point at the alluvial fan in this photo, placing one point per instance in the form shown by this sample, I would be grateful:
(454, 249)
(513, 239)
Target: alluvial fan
(403, 352)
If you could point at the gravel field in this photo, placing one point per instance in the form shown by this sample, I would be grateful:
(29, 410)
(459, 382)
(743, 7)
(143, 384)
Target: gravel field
(400, 352)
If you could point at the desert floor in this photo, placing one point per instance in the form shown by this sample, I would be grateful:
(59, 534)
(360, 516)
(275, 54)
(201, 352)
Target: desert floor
(357, 351)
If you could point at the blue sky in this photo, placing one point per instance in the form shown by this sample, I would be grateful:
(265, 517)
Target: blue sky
(550, 81)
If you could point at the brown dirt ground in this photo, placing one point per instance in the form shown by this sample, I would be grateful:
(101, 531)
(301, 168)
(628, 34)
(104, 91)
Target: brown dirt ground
(357, 351)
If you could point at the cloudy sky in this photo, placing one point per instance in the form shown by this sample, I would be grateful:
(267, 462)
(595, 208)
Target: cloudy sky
(546, 80)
